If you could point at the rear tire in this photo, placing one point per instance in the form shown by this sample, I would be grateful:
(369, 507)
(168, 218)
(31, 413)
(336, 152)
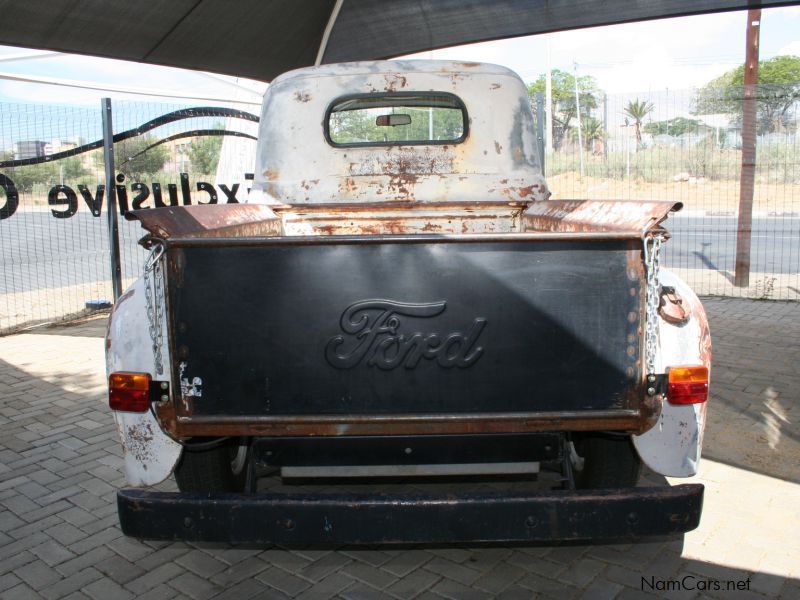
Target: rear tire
(221, 468)
(609, 461)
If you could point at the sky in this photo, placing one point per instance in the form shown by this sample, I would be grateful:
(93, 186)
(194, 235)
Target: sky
(674, 54)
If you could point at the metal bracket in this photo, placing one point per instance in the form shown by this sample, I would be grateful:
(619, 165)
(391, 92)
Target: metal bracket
(671, 307)
(159, 391)
(657, 384)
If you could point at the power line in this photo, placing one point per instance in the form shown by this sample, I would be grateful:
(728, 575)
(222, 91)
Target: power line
(118, 89)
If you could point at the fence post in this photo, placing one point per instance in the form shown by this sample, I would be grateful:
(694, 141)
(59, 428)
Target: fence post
(111, 198)
(605, 127)
(747, 183)
(540, 127)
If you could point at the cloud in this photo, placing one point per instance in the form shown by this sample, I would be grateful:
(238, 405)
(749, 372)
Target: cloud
(103, 71)
(680, 53)
(792, 48)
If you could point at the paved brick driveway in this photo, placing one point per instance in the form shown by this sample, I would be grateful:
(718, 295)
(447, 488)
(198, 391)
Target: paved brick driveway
(60, 460)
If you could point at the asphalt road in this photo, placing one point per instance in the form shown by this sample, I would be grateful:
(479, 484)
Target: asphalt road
(710, 243)
(40, 251)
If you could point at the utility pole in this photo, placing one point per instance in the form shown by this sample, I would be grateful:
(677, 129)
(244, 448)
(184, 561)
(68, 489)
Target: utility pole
(605, 127)
(548, 92)
(747, 181)
(540, 130)
(578, 113)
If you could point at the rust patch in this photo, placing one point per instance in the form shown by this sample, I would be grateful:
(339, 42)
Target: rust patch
(495, 86)
(209, 220)
(697, 311)
(523, 191)
(671, 307)
(167, 418)
(348, 186)
(137, 442)
(392, 82)
(497, 147)
(128, 294)
(620, 216)
(302, 96)
(401, 217)
(413, 425)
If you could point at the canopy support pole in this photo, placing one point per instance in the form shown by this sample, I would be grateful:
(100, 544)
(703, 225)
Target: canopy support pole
(323, 45)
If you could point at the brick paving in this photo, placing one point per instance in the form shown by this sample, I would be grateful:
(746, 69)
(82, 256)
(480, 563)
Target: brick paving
(60, 467)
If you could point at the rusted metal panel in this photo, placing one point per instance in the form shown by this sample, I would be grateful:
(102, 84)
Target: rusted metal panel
(597, 215)
(390, 218)
(448, 516)
(498, 160)
(671, 307)
(404, 424)
(401, 218)
(211, 220)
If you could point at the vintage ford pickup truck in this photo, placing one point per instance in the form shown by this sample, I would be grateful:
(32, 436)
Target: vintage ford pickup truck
(400, 300)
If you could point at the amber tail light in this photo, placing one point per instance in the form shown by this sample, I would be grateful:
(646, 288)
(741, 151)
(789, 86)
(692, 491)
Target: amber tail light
(687, 385)
(129, 392)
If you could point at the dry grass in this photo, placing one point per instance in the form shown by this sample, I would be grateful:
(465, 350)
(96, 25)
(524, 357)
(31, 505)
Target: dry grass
(699, 194)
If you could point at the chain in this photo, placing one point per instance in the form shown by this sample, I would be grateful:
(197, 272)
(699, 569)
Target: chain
(154, 301)
(652, 258)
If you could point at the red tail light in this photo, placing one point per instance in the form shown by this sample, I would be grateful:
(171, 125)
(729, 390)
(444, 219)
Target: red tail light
(687, 385)
(129, 392)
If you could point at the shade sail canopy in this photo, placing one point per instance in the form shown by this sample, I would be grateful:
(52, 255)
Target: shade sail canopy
(263, 38)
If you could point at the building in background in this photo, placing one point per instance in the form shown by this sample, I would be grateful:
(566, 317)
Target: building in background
(29, 149)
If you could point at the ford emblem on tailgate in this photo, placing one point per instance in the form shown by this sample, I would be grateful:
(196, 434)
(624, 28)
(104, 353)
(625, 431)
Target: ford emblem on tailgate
(372, 334)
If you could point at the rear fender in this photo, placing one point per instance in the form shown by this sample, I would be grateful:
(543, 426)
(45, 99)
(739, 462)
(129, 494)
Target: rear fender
(150, 455)
(673, 446)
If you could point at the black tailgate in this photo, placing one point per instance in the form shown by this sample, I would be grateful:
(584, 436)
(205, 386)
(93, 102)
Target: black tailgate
(390, 326)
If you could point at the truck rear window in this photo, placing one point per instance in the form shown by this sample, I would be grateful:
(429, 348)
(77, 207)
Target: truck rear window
(396, 119)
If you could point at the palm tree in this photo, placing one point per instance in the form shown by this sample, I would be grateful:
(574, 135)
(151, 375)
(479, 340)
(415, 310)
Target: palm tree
(638, 110)
(592, 130)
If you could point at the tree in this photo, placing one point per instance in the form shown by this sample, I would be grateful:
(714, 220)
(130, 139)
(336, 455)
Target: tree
(50, 173)
(638, 110)
(778, 90)
(359, 125)
(204, 153)
(591, 130)
(562, 107)
(136, 161)
(674, 127)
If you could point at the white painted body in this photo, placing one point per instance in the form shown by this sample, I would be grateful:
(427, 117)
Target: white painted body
(672, 447)
(498, 160)
(150, 455)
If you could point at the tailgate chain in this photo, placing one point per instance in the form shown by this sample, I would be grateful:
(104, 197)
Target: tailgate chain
(652, 247)
(154, 301)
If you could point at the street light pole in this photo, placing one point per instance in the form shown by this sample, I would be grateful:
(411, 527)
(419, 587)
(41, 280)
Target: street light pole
(578, 112)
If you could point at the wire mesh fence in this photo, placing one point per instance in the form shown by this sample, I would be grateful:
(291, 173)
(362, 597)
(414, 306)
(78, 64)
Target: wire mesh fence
(686, 146)
(669, 145)
(56, 261)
